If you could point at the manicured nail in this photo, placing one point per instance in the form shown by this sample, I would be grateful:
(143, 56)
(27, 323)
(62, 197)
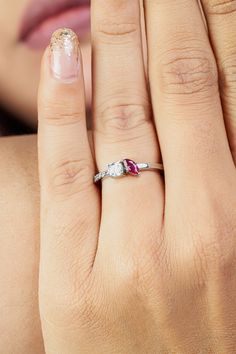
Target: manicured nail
(65, 55)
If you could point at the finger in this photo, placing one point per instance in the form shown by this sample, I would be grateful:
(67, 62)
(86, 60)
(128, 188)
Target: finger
(69, 199)
(221, 19)
(185, 95)
(123, 122)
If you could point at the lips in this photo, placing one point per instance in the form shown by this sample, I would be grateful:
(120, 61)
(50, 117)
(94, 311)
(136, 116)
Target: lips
(43, 17)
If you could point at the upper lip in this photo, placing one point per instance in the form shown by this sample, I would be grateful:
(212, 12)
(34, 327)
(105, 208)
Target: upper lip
(39, 10)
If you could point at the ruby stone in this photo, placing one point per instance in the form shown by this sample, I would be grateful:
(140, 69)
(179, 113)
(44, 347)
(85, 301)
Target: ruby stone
(131, 167)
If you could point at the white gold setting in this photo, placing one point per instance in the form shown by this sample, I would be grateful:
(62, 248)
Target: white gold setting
(126, 167)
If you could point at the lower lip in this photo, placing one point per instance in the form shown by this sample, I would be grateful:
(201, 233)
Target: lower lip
(77, 18)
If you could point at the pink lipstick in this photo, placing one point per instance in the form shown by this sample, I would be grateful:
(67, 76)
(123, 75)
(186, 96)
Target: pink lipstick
(42, 18)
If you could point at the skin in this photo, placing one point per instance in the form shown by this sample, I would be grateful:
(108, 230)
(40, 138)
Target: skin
(15, 151)
(19, 251)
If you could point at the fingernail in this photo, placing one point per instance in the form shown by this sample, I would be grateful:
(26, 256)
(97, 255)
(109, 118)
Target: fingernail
(64, 55)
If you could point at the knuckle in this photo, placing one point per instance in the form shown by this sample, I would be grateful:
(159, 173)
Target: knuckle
(125, 272)
(111, 32)
(57, 116)
(66, 308)
(70, 177)
(58, 309)
(208, 256)
(132, 275)
(219, 251)
(188, 74)
(220, 7)
(129, 120)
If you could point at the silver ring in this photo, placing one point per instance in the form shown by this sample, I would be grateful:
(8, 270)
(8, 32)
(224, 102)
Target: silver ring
(126, 167)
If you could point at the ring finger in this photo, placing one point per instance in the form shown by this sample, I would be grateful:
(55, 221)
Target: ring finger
(123, 123)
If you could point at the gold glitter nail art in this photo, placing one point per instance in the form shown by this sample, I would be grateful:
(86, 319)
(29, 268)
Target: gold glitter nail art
(64, 38)
(65, 55)
(61, 35)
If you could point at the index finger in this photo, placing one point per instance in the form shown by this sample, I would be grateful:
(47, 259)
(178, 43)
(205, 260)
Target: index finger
(70, 208)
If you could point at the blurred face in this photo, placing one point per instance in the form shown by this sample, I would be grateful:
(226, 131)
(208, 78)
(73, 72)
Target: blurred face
(26, 27)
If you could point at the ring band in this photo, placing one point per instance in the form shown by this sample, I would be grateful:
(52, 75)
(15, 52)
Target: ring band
(126, 167)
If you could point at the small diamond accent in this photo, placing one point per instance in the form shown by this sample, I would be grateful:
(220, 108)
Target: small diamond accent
(116, 169)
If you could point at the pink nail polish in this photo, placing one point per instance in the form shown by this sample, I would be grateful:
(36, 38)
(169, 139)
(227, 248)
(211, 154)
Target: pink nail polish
(65, 55)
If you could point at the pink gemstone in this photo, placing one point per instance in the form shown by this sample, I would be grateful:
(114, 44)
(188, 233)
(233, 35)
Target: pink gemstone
(131, 167)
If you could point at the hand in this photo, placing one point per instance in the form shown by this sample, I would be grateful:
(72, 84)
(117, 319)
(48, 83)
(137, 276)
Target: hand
(148, 264)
